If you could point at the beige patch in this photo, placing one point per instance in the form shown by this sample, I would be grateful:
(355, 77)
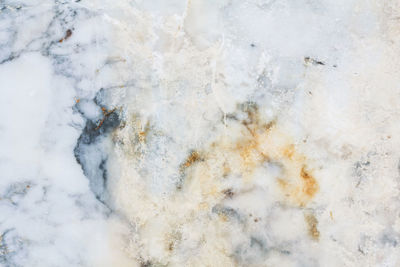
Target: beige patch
(312, 224)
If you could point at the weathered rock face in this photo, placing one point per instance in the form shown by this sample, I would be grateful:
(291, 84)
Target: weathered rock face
(199, 133)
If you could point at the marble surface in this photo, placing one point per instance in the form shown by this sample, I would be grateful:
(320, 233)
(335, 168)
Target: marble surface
(200, 133)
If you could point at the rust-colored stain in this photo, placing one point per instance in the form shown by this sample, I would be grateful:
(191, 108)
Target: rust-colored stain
(300, 190)
(68, 34)
(248, 150)
(142, 135)
(241, 153)
(106, 113)
(312, 224)
(140, 129)
(251, 142)
(310, 186)
(193, 157)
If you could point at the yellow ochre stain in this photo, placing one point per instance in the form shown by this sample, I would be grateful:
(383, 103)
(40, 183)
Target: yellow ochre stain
(312, 224)
(241, 154)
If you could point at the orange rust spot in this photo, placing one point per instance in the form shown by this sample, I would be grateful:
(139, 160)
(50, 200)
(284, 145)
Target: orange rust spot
(310, 186)
(249, 147)
(191, 159)
(242, 152)
(100, 123)
(262, 142)
(68, 34)
(77, 100)
(312, 224)
(301, 189)
(142, 135)
(105, 115)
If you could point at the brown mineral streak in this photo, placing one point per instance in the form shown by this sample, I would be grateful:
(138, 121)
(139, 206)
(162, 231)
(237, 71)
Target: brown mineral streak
(253, 143)
(252, 154)
(106, 113)
(68, 34)
(259, 142)
(192, 158)
(312, 224)
(305, 188)
(310, 186)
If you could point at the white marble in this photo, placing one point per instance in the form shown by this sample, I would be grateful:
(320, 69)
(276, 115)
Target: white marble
(200, 133)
